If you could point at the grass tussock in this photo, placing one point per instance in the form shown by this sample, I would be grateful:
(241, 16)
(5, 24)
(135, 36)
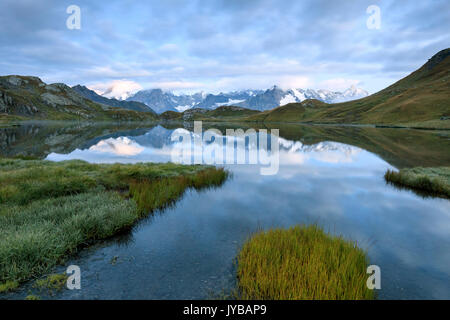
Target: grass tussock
(48, 210)
(301, 263)
(428, 181)
(8, 286)
(53, 282)
(151, 195)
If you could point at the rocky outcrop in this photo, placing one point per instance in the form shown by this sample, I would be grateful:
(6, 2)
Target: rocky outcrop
(30, 97)
(5, 102)
(189, 114)
(8, 105)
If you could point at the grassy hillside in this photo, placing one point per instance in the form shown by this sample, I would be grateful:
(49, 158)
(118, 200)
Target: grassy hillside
(231, 112)
(31, 98)
(423, 96)
(421, 99)
(224, 113)
(171, 115)
(292, 112)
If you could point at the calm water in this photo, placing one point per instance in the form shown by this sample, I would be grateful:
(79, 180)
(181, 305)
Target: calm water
(329, 176)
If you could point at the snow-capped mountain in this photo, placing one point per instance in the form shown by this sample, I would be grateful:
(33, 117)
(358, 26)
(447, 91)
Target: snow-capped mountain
(161, 101)
(274, 97)
(166, 101)
(351, 93)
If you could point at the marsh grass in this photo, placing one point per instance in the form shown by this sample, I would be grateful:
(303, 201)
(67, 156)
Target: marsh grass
(425, 181)
(157, 194)
(8, 286)
(301, 263)
(48, 210)
(53, 282)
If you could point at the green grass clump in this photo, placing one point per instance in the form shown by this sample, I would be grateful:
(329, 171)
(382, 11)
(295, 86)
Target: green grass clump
(53, 282)
(150, 195)
(428, 181)
(301, 263)
(48, 210)
(8, 286)
(35, 237)
(32, 297)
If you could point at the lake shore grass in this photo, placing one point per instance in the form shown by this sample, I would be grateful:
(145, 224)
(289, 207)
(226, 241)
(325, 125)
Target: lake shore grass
(49, 210)
(426, 181)
(301, 263)
(7, 120)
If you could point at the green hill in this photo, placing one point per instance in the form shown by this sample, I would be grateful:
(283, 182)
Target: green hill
(292, 112)
(224, 113)
(31, 98)
(421, 99)
(171, 115)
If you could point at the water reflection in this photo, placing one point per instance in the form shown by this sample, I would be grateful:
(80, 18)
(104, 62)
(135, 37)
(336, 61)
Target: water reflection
(145, 148)
(329, 176)
(188, 251)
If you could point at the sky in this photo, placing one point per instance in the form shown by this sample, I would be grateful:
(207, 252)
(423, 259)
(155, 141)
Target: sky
(226, 45)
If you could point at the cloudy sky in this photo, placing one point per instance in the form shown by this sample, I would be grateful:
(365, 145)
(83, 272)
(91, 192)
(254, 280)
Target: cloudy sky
(221, 45)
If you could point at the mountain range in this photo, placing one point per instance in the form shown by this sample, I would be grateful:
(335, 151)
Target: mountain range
(261, 100)
(422, 100)
(129, 105)
(30, 98)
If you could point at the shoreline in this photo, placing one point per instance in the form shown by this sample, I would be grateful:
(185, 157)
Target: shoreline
(434, 181)
(51, 210)
(15, 123)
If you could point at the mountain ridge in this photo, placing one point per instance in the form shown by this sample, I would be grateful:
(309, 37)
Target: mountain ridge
(260, 100)
(30, 97)
(420, 99)
(129, 105)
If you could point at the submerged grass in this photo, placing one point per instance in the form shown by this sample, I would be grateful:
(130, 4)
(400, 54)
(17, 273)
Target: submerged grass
(53, 282)
(301, 263)
(8, 286)
(48, 210)
(150, 195)
(427, 181)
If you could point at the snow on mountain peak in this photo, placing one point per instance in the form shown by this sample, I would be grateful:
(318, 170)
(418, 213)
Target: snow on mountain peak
(162, 101)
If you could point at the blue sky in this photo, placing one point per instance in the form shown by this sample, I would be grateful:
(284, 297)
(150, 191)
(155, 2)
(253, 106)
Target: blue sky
(221, 45)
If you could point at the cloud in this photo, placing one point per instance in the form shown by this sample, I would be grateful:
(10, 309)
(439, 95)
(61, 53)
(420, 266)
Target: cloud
(287, 82)
(338, 84)
(233, 44)
(119, 89)
(122, 146)
(176, 85)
